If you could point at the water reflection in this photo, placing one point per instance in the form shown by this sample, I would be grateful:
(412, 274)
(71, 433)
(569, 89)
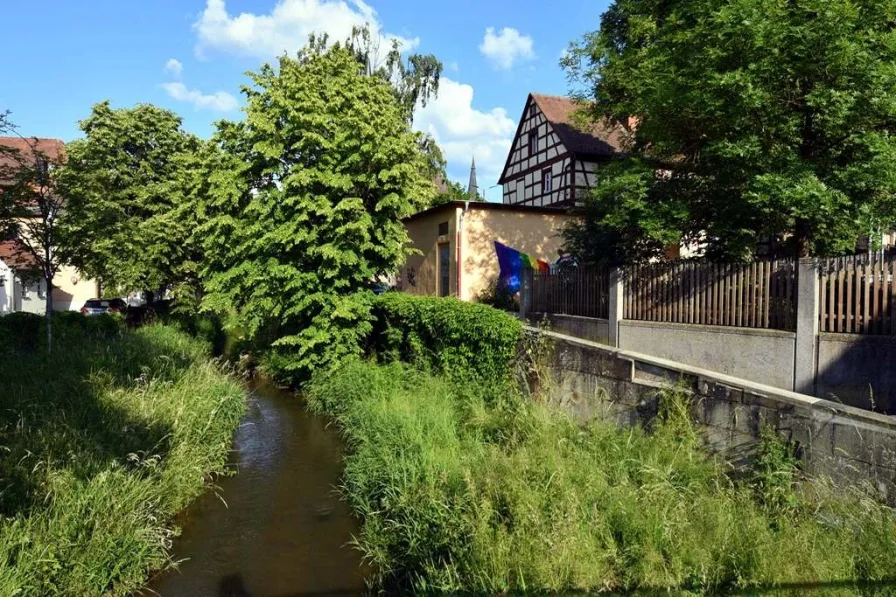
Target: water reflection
(282, 531)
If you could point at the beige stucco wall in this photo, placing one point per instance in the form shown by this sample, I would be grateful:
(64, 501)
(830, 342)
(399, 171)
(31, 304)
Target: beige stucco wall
(72, 290)
(421, 272)
(536, 234)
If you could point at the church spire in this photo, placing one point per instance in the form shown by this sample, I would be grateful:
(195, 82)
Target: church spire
(473, 188)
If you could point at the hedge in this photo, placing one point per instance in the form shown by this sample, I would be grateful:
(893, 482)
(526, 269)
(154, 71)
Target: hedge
(462, 340)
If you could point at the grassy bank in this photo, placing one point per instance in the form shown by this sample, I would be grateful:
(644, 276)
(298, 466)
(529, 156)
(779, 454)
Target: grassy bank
(461, 487)
(100, 445)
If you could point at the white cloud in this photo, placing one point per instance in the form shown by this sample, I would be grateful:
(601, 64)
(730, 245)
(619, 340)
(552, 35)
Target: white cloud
(507, 47)
(286, 28)
(220, 101)
(463, 132)
(174, 67)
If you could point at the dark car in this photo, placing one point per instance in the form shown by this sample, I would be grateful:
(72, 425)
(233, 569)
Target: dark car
(100, 306)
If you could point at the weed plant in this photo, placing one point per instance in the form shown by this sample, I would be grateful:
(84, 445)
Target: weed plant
(101, 443)
(465, 487)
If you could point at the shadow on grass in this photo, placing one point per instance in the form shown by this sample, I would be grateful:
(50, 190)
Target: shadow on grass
(55, 411)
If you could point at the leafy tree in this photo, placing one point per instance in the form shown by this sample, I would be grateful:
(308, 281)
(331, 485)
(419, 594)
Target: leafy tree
(452, 191)
(126, 185)
(30, 208)
(305, 207)
(755, 118)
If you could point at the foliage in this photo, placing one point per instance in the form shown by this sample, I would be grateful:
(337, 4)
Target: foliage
(759, 119)
(499, 296)
(460, 339)
(101, 443)
(305, 207)
(414, 79)
(624, 222)
(127, 184)
(462, 488)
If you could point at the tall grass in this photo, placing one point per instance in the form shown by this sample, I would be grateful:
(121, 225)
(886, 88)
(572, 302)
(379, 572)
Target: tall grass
(101, 443)
(464, 488)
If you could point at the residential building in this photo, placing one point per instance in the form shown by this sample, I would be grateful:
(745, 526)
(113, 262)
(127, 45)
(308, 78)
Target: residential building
(553, 161)
(21, 288)
(456, 243)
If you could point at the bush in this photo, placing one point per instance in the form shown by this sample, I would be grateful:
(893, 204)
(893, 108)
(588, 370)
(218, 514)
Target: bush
(26, 332)
(463, 490)
(462, 340)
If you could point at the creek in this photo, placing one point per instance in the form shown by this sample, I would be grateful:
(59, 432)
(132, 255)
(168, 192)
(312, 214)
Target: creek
(277, 528)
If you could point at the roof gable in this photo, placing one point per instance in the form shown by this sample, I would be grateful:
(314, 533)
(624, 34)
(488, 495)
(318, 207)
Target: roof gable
(599, 140)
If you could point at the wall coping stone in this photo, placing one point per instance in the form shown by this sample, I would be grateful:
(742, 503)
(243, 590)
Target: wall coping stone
(539, 315)
(715, 329)
(857, 338)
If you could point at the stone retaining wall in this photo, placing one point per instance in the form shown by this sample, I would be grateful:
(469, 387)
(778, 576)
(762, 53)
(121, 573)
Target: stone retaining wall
(591, 380)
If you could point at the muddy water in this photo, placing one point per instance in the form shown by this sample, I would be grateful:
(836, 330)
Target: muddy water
(276, 529)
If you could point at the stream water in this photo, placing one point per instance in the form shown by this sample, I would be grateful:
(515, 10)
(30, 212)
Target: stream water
(276, 528)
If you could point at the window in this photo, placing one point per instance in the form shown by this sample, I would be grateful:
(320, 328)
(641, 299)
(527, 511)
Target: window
(443, 228)
(546, 186)
(532, 111)
(444, 269)
(533, 143)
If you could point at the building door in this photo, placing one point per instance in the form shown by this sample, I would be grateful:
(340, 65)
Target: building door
(444, 269)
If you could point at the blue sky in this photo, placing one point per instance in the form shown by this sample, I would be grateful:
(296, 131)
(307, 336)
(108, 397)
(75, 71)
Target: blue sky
(191, 55)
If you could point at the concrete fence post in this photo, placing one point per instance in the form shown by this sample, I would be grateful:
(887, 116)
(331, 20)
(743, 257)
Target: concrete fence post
(617, 298)
(805, 362)
(526, 293)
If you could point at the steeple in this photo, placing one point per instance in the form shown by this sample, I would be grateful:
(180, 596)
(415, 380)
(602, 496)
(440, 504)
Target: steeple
(473, 188)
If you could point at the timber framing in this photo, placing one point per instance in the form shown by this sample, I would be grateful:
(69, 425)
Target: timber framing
(541, 147)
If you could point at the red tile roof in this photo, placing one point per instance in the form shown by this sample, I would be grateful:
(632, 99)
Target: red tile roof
(599, 139)
(12, 255)
(15, 150)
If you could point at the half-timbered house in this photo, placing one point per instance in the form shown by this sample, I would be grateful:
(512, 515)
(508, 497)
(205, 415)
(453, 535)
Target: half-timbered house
(552, 162)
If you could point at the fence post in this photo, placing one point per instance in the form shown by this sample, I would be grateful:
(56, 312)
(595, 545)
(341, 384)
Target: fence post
(525, 293)
(617, 298)
(805, 360)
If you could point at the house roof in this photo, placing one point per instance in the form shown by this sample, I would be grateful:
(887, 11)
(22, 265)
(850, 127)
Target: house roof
(52, 149)
(11, 255)
(599, 139)
(486, 205)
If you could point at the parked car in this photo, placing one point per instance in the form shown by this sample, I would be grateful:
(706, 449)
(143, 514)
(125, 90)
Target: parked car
(100, 306)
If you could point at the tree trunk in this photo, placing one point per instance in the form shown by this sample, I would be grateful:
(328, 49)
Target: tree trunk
(49, 314)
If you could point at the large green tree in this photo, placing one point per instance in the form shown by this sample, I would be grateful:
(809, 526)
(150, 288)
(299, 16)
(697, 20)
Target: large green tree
(127, 185)
(305, 205)
(754, 118)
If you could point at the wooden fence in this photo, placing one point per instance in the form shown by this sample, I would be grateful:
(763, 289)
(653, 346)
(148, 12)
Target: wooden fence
(582, 291)
(761, 294)
(857, 295)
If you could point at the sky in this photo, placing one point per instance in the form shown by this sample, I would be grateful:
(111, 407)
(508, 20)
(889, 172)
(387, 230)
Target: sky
(191, 56)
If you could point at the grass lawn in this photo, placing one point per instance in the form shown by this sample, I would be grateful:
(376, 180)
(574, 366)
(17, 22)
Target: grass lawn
(466, 488)
(101, 444)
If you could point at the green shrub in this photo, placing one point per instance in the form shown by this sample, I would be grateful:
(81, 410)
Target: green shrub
(102, 442)
(462, 490)
(21, 331)
(460, 339)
